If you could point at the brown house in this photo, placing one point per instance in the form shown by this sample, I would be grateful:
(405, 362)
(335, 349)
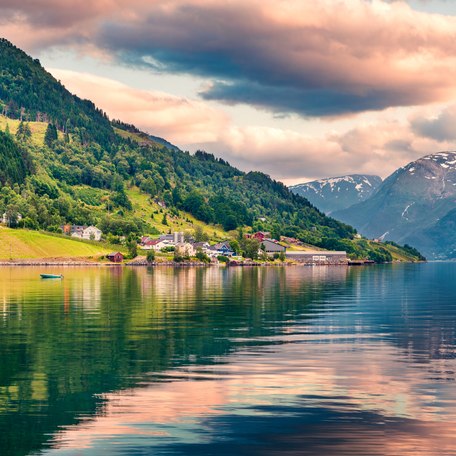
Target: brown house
(115, 257)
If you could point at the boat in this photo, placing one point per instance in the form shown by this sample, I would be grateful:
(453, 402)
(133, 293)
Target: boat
(51, 276)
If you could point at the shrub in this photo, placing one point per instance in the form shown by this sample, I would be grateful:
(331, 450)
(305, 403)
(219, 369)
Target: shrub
(150, 256)
(200, 255)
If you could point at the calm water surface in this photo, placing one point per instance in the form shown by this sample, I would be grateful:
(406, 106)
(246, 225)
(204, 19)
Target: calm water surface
(265, 361)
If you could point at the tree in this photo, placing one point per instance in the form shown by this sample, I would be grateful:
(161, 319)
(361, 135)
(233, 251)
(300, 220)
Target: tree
(132, 247)
(250, 248)
(23, 131)
(200, 235)
(234, 244)
(51, 135)
(164, 220)
(200, 255)
(263, 256)
(150, 256)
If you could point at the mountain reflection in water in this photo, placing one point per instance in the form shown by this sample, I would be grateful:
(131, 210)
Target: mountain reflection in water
(309, 361)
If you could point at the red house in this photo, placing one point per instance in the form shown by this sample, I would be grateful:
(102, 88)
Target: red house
(259, 236)
(115, 257)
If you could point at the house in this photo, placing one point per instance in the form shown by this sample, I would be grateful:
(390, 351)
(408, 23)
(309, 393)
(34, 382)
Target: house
(318, 257)
(222, 248)
(185, 249)
(272, 246)
(115, 257)
(148, 244)
(291, 240)
(92, 233)
(203, 246)
(11, 219)
(162, 244)
(174, 238)
(259, 236)
(77, 231)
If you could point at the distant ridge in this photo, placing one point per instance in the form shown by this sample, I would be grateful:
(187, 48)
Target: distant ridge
(336, 193)
(415, 205)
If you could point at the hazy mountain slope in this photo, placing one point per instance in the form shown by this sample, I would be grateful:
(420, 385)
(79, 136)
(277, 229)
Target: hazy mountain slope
(413, 206)
(337, 193)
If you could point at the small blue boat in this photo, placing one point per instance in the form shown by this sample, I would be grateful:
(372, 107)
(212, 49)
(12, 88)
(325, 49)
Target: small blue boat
(51, 276)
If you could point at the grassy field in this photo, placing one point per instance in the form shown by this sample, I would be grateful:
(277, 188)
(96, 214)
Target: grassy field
(146, 210)
(38, 129)
(18, 244)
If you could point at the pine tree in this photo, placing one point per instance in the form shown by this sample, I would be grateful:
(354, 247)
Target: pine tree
(23, 131)
(51, 135)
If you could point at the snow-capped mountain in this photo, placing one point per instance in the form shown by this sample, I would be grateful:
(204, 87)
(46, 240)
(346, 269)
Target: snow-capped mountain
(337, 193)
(416, 205)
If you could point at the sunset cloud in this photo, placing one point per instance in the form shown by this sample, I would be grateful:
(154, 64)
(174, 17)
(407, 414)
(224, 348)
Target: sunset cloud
(325, 58)
(374, 147)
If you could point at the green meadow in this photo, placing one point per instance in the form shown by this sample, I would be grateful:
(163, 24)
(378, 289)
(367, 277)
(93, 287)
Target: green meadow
(19, 244)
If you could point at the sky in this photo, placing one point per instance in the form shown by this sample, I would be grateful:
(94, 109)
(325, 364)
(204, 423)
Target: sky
(297, 89)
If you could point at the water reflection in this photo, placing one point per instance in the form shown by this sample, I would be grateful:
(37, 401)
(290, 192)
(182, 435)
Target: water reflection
(222, 361)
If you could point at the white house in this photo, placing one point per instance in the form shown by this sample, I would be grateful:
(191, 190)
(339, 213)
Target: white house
(92, 233)
(161, 244)
(185, 249)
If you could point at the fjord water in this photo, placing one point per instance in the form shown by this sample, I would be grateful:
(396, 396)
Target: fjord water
(214, 361)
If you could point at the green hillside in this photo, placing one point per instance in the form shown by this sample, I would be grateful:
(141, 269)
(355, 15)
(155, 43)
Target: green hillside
(82, 169)
(26, 244)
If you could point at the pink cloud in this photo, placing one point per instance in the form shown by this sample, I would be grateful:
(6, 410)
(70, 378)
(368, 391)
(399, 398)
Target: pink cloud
(376, 147)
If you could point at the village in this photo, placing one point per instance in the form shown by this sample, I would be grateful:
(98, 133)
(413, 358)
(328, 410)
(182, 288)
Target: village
(185, 247)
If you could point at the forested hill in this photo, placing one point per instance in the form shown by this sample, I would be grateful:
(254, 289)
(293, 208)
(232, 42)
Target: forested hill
(29, 92)
(81, 168)
(15, 162)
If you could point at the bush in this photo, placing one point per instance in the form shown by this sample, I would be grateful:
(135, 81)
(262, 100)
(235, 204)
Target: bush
(168, 249)
(223, 259)
(178, 258)
(200, 255)
(150, 256)
(132, 247)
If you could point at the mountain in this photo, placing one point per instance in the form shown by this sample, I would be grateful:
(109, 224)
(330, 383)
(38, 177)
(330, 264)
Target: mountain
(415, 205)
(82, 168)
(337, 193)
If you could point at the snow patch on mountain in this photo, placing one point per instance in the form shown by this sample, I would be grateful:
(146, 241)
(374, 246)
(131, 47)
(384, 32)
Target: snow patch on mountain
(336, 193)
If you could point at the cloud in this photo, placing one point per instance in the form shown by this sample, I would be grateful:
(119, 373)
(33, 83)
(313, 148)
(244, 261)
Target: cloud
(376, 147)
(181, 120)
(440, 128)
(325, 58)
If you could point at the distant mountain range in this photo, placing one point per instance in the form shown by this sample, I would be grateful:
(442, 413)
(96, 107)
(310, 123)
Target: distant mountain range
(337, 193)
(415, 205)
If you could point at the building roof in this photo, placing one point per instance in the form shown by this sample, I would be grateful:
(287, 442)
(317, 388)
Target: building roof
(316, 252)
(221, 245)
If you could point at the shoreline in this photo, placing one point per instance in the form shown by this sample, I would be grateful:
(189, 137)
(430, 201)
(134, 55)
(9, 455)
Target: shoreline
(41, 263)
(68, 262)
